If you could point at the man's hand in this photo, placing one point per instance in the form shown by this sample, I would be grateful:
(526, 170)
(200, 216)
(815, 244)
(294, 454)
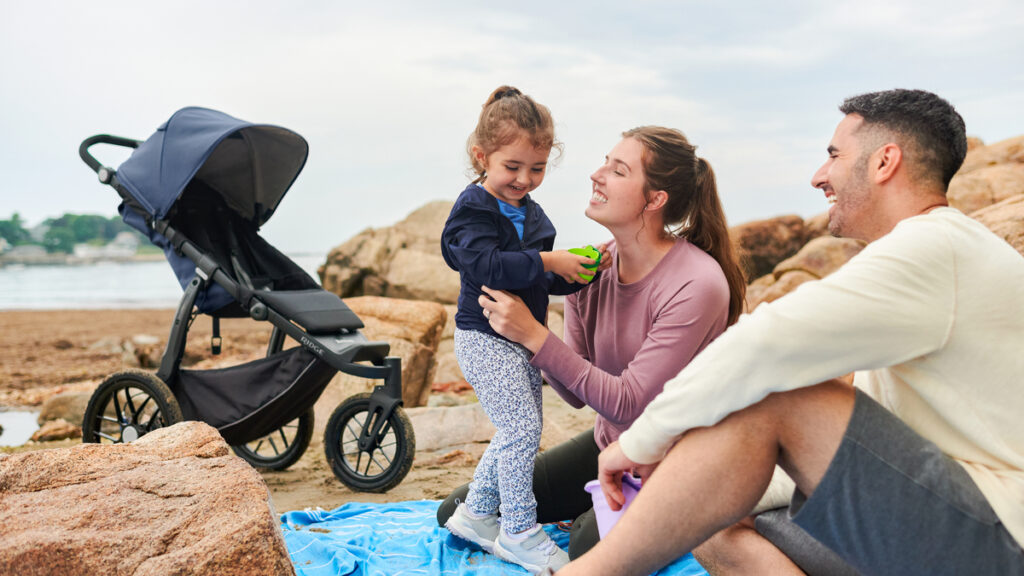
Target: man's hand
(611, 463)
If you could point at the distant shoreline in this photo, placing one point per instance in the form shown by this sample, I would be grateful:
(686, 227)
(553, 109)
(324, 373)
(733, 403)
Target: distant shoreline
(63, 259)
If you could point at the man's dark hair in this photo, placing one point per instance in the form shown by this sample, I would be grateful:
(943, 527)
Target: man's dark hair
(933, 129)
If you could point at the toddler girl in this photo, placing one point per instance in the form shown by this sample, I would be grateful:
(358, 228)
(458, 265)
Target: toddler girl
(497, 236)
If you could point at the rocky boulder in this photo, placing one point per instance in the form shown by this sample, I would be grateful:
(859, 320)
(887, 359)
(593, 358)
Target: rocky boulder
(1007, 151)
(400, 261)
(768, 288)
(817, 259)
(816, 226)
(1006, 219)
(820, 257)
(764, 243)
(449, 427)
(413, 329)
(985, 186)
(68, 406)
(447, 366)
(59, 429)
(176, 501)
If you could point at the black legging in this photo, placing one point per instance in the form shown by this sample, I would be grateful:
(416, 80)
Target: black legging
(558, 478)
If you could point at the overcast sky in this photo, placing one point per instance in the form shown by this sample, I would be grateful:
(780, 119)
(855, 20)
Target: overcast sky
(386, 92)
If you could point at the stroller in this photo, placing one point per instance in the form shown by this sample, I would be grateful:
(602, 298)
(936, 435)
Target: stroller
(200, 188)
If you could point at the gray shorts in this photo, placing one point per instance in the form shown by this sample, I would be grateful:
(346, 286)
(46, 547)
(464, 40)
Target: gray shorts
(892, 503)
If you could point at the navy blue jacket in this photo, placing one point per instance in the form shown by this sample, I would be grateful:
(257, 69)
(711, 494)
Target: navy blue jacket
(482, 244)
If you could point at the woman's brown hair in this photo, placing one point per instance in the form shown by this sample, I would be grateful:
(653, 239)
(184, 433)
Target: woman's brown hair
(507, 115)
(693, 209)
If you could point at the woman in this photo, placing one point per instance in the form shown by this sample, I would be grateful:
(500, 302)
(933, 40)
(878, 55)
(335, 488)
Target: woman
(674, 285)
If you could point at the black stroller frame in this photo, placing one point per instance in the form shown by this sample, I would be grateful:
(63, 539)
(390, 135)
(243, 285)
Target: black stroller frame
(369, 441)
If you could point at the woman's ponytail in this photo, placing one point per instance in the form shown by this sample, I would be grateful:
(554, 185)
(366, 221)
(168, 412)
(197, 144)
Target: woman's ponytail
(708, 230)
(693, 209)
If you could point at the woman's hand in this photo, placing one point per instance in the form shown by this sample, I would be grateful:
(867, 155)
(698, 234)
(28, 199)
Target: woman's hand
(510, 317)
(567, 265)
(606, 257)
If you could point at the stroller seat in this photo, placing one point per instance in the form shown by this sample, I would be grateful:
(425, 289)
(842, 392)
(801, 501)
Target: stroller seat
(317, 311)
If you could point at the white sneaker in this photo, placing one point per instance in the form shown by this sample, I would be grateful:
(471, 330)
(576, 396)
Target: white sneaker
(537, 552)
(480, 531)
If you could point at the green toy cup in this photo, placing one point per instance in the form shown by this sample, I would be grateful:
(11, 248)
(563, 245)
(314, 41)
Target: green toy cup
(592, 253)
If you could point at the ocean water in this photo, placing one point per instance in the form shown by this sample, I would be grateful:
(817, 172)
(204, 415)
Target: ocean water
(18, 426)
(102, 285)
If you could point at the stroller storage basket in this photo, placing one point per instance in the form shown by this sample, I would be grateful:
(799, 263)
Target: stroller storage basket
(253, 399)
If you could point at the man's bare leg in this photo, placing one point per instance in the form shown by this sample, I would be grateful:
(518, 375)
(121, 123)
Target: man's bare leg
(739, 549)
(713, 477)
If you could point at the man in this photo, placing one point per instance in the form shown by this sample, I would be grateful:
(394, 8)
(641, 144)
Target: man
(916, 469)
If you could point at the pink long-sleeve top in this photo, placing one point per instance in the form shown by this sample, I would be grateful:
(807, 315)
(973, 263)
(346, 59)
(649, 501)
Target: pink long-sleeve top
(624, 341)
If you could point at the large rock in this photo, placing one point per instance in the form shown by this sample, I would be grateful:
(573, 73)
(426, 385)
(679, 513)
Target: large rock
(985, 186)
(447, 366)
(1007, 151)
(816, 226)
(449, 427)
(1006, 219)
(768, 288)
(401, 261)
(764, 243)
(820, 257)
(413, 330)
(59, 429)
(69, 406)
(176, 501)
(817, 259)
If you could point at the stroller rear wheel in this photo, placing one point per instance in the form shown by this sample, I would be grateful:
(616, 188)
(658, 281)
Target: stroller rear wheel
(282, 447)
(128, 405)
(383, 461)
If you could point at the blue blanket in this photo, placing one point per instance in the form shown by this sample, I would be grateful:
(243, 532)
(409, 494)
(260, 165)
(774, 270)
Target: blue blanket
(400, 539)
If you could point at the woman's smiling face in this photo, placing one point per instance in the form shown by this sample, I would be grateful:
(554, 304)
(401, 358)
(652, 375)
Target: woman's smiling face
(617, 195)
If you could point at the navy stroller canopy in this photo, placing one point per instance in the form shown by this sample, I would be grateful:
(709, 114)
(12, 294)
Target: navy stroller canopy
(199, 160)
(251, 166)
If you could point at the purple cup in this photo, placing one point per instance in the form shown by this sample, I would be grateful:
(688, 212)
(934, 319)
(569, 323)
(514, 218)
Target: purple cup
(606, 517)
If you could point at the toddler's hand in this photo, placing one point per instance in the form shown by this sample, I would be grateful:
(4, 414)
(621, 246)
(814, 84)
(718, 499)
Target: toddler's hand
(567, 265)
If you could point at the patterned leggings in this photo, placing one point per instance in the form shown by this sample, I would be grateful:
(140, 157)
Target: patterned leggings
(509, 390)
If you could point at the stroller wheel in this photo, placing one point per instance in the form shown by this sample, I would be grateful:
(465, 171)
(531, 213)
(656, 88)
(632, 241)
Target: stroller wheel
(383, 463)
(282, 447)
(128, 405)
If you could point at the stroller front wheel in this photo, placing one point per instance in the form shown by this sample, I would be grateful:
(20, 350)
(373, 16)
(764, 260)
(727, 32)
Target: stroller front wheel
(382, 463)
(128, 405)
(282, 447)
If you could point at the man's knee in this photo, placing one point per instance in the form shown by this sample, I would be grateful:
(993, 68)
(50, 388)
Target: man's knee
(811, 425)
(728, 551)
(583, 535)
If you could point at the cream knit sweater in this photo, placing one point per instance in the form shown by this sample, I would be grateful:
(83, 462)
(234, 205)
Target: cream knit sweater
(931, 316)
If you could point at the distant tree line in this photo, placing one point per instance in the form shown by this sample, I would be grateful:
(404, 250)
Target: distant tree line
(62, 233)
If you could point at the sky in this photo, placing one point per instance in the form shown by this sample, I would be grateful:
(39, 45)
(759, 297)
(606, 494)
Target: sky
(386, 93)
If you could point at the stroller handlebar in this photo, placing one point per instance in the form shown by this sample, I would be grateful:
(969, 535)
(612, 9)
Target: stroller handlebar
(104, 173)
